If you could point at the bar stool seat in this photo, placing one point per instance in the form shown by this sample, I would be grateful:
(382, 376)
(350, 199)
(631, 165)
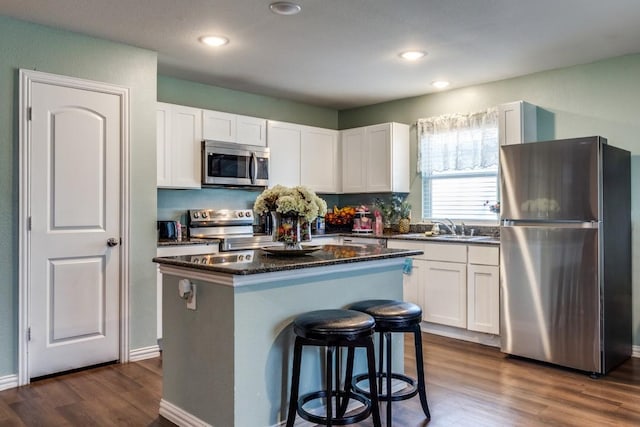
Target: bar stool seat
(334, 329)
(394, 316)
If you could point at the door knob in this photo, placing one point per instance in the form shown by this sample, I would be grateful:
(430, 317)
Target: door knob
(112, 242)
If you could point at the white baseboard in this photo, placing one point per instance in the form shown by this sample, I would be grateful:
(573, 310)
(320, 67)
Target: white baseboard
(461, 334)
(8, 381)
(143, 353)
(179, 416)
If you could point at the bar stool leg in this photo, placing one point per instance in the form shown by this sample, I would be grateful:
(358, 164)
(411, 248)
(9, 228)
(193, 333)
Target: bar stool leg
(387, 338)
(295, 383)
(417, 334)
(373, 390)
(347, 381)
(329, 379)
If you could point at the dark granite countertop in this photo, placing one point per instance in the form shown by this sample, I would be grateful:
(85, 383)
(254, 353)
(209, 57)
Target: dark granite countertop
(421, 237)
(258, 261)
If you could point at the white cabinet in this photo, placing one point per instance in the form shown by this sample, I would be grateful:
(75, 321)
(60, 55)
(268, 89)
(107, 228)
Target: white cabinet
(445, 293)
(375, 159)
(517, 123)
(227, 127)
(284, 141)
(455, 284)
(319, 161)
(483, 290)
(303, 155)
(178, 139)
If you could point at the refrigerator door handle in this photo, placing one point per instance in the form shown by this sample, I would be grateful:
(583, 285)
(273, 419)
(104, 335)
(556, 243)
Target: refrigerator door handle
(564, 224)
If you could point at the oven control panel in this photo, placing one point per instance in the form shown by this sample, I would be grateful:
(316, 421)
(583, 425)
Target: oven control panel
(214, 217)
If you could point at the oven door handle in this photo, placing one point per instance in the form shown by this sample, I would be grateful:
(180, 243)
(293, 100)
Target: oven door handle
(253, 166)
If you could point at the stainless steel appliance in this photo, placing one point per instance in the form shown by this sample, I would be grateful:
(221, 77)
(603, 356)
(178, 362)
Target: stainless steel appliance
(231, 164)
(565, 267)
(233, 227)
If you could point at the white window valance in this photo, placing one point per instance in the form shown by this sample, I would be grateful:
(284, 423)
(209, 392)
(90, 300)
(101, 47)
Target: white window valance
(458, 142)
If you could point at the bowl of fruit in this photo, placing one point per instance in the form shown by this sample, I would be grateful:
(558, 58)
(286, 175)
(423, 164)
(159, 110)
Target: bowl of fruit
(339, 219)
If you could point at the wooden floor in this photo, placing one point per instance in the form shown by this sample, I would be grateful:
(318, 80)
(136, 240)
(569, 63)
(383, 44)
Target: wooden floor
(467, 385)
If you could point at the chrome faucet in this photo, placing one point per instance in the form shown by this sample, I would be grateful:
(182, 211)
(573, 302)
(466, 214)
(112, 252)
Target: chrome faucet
(451, 226)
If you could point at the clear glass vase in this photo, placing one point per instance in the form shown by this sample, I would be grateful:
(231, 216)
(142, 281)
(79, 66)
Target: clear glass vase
(291, 230)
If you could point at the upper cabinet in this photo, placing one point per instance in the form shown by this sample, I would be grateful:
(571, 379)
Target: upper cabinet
(178, 136)
(303, 155)
(319, 160)
(284, 141)
(517, 123)
(375, 159)
(227, 127)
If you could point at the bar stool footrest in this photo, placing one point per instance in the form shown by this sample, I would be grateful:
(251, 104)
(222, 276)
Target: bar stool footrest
(337, 420)
(406, 393)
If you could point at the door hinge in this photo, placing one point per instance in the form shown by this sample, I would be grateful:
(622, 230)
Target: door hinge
(29, 113)
(29, 334)
(29, 223)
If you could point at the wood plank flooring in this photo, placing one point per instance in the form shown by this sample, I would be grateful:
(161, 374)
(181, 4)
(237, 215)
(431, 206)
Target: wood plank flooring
(467, 385)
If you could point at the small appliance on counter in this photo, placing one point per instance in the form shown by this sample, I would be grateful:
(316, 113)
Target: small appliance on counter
(168, 230)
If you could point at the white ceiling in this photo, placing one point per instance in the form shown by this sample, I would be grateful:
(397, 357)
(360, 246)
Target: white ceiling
(344, 53)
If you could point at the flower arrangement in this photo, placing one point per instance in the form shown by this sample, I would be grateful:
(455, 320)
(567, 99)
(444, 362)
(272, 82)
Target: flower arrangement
(291, 201)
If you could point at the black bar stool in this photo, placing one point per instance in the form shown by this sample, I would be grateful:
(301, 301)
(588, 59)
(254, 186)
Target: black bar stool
(334, 329)
(394, 316)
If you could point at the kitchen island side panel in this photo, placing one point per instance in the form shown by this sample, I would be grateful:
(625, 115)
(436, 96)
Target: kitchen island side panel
(264, 336)
(198, 351)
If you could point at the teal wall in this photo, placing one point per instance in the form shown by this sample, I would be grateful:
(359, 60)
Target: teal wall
(198, 95)
(602, 98)
(29, 46)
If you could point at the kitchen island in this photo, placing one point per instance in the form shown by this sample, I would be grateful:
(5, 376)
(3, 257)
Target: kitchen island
(228, 362)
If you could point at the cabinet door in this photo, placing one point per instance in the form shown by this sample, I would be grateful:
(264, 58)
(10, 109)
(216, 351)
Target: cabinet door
(218, 126)
(517, 123)
(251, 130)
(445, 293)
(483, 299)
(163, 144)
(186, 123)
(379, 160)
(318, 160)
(354, 161)
(284, 162)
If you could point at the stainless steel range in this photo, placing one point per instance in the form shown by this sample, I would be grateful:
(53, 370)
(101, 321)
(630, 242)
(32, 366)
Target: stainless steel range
(234, 228)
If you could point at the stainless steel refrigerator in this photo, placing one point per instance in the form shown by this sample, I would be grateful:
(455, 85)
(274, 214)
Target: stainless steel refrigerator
(565, 253)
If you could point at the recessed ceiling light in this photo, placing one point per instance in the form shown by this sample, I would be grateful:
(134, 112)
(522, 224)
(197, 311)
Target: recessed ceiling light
(412, 55)
(214, 41)
(440, 84)
(285, 8)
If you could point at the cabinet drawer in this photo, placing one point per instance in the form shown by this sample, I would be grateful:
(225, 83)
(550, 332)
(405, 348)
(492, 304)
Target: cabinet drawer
(447, 252)
(177, 250)
(484, 255)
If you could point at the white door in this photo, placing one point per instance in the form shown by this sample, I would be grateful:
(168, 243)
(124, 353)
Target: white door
(284, 141)
(75, 209)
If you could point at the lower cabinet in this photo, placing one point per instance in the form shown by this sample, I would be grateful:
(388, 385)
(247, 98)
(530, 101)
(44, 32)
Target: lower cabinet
(445, 293)
(455, 284)
(483, 290)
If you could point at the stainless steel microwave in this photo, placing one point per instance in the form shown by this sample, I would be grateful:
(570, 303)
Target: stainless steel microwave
(225, 163)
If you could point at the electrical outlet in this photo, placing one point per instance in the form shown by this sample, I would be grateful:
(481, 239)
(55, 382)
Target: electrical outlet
(191, 301)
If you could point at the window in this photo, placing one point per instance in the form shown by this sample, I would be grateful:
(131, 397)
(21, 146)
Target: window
(458, 160)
